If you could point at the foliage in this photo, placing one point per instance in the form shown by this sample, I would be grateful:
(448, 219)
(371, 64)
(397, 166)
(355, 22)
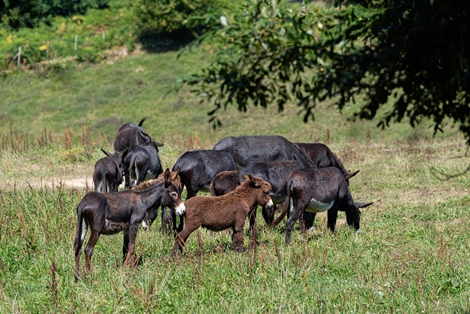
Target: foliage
(94, 33)
(15, 14)
(410, 52)
(69, 7)
(171, 15)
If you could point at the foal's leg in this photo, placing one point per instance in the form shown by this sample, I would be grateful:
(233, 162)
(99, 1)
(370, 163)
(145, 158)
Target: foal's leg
(252, 215)
(237, 236)
(181, 238)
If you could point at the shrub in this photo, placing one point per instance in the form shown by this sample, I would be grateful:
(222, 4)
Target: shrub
(171, 15)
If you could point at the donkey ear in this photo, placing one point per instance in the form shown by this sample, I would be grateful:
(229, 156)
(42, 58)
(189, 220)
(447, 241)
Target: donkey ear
(105, 152)
(177, 172)
(167, 175)
(351, 174)
(254, 181)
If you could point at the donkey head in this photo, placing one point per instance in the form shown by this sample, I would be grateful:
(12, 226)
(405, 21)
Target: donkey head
(265, 187)
(173, 191)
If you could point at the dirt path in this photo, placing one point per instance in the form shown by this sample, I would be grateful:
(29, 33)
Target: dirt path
(79, 183)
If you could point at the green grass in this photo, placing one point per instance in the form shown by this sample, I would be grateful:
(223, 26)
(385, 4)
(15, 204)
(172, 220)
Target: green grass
(412, 255)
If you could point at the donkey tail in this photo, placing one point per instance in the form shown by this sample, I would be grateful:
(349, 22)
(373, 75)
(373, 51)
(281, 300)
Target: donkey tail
(132, 168)
(104, 183)
(287, 203)
(80, 231)
(142, 121)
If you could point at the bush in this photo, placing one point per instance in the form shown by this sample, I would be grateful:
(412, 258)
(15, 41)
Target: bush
(171, 15)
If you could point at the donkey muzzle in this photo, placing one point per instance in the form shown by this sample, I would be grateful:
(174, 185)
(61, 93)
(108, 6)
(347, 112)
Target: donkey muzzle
(180, 210)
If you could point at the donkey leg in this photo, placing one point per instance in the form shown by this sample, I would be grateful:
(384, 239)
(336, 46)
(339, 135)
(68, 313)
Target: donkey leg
(308, 220)
(268, 214)
(332, 216)
(293, 217)
(181, 238)
(125, 246)
(166, 224)
(237, 237)
(181, 223)
(132, 234)
(94, 236)
(252, 216)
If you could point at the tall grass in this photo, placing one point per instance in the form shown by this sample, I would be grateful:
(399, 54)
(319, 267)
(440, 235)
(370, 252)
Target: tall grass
(412, 255)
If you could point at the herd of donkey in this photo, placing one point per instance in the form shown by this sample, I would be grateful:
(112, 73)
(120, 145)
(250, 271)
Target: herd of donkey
(241, 174)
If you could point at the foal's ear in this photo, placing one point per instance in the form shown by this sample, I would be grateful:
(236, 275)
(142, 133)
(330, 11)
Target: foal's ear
(245, 177)
(256, 183)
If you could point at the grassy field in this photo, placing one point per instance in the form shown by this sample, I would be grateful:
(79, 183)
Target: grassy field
(412, 255)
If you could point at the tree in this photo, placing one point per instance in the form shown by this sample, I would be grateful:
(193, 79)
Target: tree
(412, 53)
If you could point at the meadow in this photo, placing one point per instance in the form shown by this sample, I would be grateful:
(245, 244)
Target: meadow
(412, 255)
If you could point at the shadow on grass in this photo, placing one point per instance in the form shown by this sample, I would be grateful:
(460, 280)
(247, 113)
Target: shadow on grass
(163, 42)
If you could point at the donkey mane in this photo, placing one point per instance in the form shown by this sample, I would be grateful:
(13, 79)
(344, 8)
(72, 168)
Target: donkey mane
(146, 185)
(301, 152)
(340, 163)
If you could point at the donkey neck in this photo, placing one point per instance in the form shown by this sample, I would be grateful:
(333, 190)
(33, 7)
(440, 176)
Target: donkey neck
(247, 194)
(151, 196)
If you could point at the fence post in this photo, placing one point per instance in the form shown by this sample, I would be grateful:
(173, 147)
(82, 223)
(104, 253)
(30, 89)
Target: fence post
(75, 44)
(19, 56)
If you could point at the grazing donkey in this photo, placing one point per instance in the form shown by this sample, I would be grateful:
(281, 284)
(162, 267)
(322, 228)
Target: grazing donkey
(224, 182)
(319, 190)
(199, 167)
(322, 157)
(111, 213)
(107, 175)
(130, 135)
(222, 212)
(259, 148)
(142, 163)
